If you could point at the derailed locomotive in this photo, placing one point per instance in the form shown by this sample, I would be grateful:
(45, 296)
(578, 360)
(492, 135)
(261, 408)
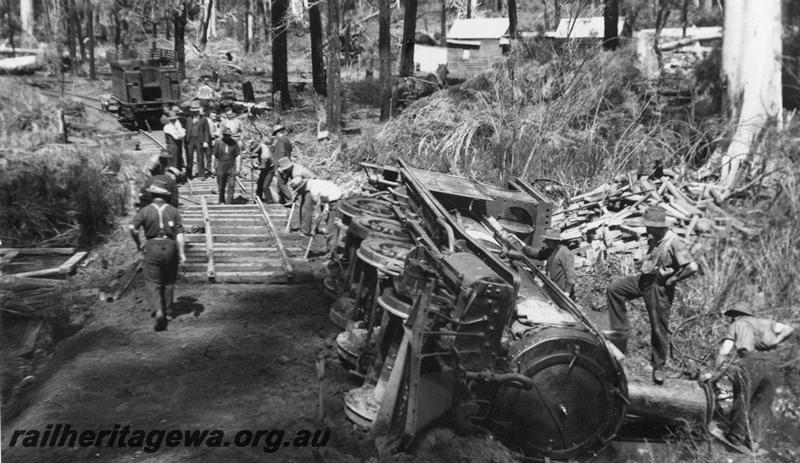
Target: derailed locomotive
(437, 323)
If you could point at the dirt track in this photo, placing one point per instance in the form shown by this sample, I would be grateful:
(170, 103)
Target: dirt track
(239, 357)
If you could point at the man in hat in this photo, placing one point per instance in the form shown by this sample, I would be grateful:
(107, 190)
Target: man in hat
(198, 137)
(745, 355)
(163, 250)
(226, 151)
(262, 156)
(282, 148)
(560, 266)
(205, 93)
(295, 177)
(317, 196)
(169, 178)
(667, 262)
(174, 134)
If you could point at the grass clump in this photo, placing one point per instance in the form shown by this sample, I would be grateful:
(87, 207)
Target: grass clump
(52, 193)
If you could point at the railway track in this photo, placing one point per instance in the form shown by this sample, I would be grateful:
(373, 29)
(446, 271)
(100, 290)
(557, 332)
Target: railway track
(237, 243)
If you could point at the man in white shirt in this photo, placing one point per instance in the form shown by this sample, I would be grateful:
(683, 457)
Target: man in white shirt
(174, 134)
(205, 94)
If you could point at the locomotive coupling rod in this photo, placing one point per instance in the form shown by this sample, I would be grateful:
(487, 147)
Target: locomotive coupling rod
(505, 379)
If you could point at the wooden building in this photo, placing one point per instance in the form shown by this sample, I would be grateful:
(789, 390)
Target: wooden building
(474, 44)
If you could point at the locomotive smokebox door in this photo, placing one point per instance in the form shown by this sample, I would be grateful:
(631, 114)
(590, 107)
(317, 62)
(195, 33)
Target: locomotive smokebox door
(574, 405)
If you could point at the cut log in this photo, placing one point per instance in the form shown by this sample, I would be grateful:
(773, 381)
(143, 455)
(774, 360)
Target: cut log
(675, 400)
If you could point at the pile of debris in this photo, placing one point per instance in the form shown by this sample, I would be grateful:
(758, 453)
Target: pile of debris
(608, 219)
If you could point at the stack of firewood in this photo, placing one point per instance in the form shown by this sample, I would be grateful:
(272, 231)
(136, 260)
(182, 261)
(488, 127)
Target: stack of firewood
(609, 219)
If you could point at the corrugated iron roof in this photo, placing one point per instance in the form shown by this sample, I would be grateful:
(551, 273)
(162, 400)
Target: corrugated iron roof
(478, 28)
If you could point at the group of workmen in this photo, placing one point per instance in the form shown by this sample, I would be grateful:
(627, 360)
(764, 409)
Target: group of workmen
(744, 352)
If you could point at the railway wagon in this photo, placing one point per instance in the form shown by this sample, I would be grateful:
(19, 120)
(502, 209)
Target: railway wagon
(142, 82)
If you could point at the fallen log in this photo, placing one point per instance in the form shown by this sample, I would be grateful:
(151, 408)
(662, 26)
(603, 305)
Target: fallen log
(675, 400)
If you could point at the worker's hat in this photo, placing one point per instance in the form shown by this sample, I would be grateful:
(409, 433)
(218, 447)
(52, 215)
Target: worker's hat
(195, 106)
(655, 217)
(284, 163)
(740, 308)
(298, 183)
(277, 128)
(165, 154)
(174, 171)
(172, 115)
(158, 187)
(254, 144)
(226, 131)
(552, 234)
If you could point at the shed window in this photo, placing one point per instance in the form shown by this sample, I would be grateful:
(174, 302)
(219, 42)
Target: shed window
(465, 54)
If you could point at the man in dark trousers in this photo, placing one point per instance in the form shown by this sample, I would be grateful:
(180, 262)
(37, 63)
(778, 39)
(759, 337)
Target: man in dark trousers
(226, 151)
(667, 262)
(282, 149)
(163, 250)
(262, 156)
(745, 355)
(560, 265)
(298, 175)
(173, 135)
(198, 136)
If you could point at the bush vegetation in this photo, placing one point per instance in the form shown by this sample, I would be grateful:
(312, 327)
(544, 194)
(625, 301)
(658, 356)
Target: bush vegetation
(51, 192)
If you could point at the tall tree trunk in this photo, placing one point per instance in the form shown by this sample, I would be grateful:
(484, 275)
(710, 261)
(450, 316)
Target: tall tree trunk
(751, 67)
(512, 18)
(334, 84)
(265, 19)
(212, 21)
(167, 29)
(443, 25)
(155, 29)
(26, 16)
(78, 21)
(317, 57)
(385, 56)
(469, 9)
(545, 16)
(610, 20)
(556, 13)
(117, 31)
(179, 22)
(10, 24)
(90, 33)
(248, 28)
(70, 27)
(280, 70)
(409, 31)
(202, 28)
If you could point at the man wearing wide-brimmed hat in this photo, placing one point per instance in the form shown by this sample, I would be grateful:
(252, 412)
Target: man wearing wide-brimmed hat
(163, 250)
(296, 177)
(198, 138)
(226, 151)
(745, 354)
(281, 148)
(667, 262)
(560, 266)
(174, 134)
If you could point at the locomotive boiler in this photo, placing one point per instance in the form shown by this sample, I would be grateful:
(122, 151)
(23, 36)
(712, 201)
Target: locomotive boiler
(438, 324)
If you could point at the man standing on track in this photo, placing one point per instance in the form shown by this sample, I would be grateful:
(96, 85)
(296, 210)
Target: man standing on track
(174, 134)
(266, 166)
(163, 251)
(282, 148)
(197, 136)
(226, 151)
